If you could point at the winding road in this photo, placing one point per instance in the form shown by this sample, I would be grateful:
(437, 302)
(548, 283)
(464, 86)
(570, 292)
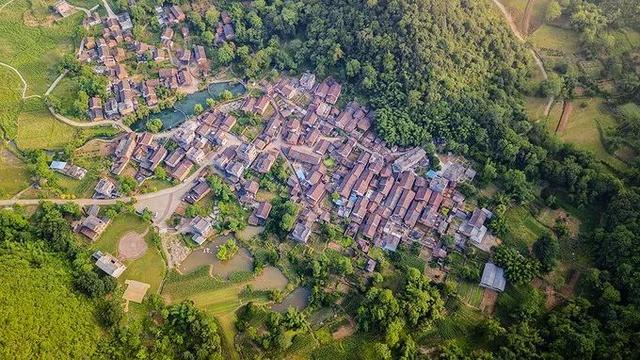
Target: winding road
(521, 37)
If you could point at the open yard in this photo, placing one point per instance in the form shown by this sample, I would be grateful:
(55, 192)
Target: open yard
(119, 226)
(150, 268)
(552, 39)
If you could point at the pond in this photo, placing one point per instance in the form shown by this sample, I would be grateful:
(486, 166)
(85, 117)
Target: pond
(298, 299)
(242, 261)
(183, 109)
(270, 278)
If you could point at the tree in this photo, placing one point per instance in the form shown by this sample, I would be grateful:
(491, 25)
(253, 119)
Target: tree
(553, 11)
(546, 249)
(552, 86)
(154, 125)
(227, 250)
(516, 185)
(519, 269)
(198, 109)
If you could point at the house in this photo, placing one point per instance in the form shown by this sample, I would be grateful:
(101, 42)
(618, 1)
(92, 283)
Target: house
(301, 233)
(334, 93)
(201, 228)
(95, 109)
(67, 169)
(175, 157)
(91, 227)
(195, 155)
(181, 171)
(63, 8)
(199, 55)
(408, 160)
(307, 81)
(105, 189)
(303, 156)
(109, 264)
(185, 78)
(234, 170)
(371, 265)
(493, 278)
(199, 191)
(260, 214)
(247, 152)
(159, 154)
(261, 105)
(264, 162)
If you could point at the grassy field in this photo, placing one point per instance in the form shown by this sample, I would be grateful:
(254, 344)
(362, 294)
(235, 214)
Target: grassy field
(535, 108)
(13, 174)
(32, 43)
(38, 129)
(67, 91)
(150, 268)
(583, 130)
(555, 39)
(523, 229)
(119, 226)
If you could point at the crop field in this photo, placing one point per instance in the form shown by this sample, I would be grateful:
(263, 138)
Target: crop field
(119, 226)
(13, 174)
(10, 98)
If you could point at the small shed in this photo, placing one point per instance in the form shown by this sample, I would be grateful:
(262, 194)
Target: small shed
(493, 277)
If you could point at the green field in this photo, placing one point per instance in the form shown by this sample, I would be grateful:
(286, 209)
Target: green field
(14, 175)
(32, 43)
(119, 226)
(583, 130)
(556, 39)
(150, 268)
(66, 91)
(523, 229)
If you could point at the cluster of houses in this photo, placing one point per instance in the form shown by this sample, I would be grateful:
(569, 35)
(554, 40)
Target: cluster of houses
(387, 196)
(109, 52)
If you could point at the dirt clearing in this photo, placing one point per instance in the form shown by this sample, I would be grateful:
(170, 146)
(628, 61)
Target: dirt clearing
(564, 118)
(132, 246)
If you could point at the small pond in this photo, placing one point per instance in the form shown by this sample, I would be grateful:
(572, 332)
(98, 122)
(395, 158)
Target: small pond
(270, 278)
(298, 299)
(183, 109)
(242, 261)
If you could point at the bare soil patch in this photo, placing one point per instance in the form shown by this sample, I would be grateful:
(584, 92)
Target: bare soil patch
(564, 118)
(488, 304)
(132, 246)
(344, 331)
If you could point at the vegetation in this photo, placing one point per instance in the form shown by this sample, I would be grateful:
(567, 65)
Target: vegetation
(227, 250)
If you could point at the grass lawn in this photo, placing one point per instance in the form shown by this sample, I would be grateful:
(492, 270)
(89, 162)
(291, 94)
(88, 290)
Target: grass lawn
(551, 121)
(119, 226)
(583, 130)
(83, 188)
(66, 92)
(556, 39)
(150, 268)
(14, 175)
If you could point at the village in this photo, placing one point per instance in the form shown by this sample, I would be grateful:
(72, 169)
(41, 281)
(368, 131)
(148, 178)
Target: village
(341, 172)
